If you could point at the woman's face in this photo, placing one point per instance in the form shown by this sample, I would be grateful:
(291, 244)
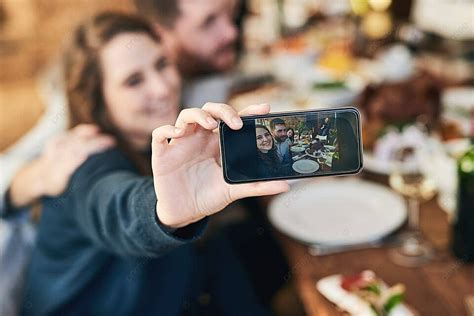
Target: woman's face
(264, 139)
(141, 88)
(289, 133)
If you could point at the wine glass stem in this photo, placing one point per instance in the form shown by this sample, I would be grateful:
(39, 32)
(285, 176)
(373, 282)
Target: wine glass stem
(413, 214)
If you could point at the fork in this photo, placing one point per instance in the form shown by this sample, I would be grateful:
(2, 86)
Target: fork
(322, 250)
(469, 302)
(296, 158)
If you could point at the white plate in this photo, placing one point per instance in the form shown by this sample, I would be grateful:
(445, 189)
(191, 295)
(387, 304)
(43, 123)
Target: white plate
(376, 165)
(385, 167)
(297, 149)
(305, 166)
(338, 212)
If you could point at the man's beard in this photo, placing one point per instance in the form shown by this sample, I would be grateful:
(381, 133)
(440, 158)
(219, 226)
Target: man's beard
(190, 65)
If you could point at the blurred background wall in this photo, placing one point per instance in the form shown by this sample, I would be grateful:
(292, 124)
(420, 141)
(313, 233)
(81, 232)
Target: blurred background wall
(31, 35)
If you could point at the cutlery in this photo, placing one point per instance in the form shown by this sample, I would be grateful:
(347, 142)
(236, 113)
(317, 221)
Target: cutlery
(323, 250)
(296, 158)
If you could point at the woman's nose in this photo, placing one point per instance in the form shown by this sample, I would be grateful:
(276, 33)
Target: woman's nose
(157, 87)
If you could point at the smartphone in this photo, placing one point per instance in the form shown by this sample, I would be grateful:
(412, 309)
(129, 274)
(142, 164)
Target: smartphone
(292, 145)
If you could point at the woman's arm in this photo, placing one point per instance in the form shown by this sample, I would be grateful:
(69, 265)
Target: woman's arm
(116, 208)
(126, 214)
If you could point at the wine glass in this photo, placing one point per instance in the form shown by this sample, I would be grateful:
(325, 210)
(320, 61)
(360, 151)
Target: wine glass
(409, 178)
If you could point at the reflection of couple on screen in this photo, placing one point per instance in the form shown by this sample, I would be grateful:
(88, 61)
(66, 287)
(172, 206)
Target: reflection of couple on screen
(273, 154)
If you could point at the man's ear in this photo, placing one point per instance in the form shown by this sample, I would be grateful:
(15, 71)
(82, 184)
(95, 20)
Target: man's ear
(158, 28)
(167, 37)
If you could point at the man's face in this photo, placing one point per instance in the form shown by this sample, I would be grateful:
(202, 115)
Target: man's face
(279, 132)
(204, 36)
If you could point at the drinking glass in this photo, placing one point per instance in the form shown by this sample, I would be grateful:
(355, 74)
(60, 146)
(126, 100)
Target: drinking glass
(411, 180)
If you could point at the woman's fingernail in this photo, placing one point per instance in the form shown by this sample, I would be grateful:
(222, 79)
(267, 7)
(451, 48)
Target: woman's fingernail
(237, 121)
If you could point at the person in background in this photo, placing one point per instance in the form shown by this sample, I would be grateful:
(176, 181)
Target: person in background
(201, 37)
(325, 127)
(268, 163)
(291, 136)
(278, 128)
(120, 241)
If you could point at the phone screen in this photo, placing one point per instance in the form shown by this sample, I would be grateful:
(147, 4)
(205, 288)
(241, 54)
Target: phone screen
(292, 145)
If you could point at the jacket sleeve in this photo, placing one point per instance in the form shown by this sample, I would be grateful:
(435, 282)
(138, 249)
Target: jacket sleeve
(116, 208)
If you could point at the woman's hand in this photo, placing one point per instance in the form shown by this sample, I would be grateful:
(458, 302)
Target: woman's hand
(188, 178)
(49, 174)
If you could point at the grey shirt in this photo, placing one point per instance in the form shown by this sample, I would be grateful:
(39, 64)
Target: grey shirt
(211, 88)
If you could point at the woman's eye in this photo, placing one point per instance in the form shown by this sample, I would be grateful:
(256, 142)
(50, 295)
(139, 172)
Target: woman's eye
(161, 64)
(209, 21)
(259, 137)
(133, 81)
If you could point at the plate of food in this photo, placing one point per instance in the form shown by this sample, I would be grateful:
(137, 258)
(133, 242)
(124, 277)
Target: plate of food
(331, 212)
(313, 152)
(305, 166)
(389, 123)
(412, 141)
(297, 149)
(336, 92)
(365, 294)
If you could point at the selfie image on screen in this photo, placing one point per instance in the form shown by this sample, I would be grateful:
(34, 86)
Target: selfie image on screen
(304, 145)
(292, 145)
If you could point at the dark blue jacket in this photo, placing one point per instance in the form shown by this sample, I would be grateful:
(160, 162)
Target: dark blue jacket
(102, 251)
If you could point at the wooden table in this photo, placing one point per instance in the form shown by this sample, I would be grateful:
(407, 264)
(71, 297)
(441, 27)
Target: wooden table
(436, 289)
